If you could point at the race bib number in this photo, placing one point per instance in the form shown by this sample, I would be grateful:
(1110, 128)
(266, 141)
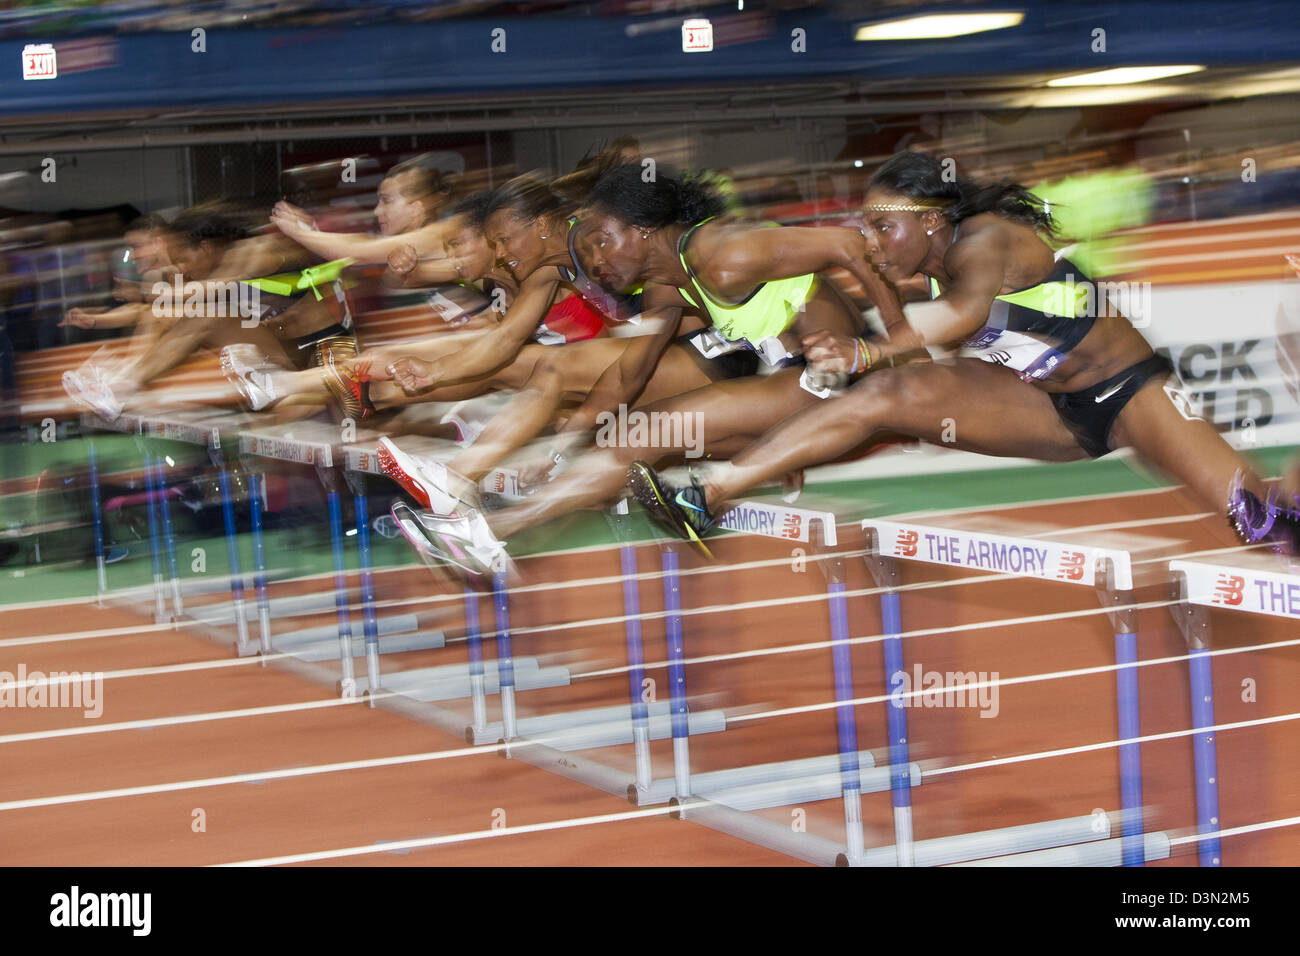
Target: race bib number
(711, 344)
(447, 310)
(1028, 357)
(544, 336)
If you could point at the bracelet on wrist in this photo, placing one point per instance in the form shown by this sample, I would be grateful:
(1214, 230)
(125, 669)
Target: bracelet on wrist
(861, 356)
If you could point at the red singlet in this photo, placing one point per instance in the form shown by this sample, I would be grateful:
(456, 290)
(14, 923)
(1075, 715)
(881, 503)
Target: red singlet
(570, 319)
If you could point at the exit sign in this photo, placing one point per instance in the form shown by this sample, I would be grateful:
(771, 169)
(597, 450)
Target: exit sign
(39, 62)
(697, 36)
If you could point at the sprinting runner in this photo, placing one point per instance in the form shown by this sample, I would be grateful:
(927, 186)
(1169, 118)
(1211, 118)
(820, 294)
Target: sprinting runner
(409, 200)
(758, 285)
(1079, 381)
(463, 300)
(146, 245)
(205, 247)
(408, 209)
(527, 225)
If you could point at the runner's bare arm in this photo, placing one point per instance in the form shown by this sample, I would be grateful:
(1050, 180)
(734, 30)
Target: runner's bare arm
(498, 346)
(977, 266)
(427, 240)
(116, 318)
(625, 379)
(739, 263)
(432, 272)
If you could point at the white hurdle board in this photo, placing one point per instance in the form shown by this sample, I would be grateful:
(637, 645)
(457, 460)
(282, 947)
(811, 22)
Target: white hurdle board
(998, 545)
(1254, 582)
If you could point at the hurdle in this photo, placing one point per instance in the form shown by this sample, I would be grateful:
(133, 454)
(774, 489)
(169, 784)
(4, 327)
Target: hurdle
(203, 428)
(1253, 584)
(1103, 562)
(452, 682)
(322, 447)
(723, 800)
(720, 799)
(97, 523)
(196, 426)
(567, 731)
(124, 424)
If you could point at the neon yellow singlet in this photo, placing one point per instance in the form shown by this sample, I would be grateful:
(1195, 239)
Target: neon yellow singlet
(765, 313)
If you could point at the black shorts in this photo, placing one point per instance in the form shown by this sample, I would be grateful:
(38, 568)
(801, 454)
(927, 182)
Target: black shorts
(735, 364)
(1091, 412)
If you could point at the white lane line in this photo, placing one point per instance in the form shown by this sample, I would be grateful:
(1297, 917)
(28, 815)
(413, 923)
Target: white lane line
(85, 635)
(142, 671)
(257, 777)
(149, 723)
(56, 602)
(457, 837)
(1236, 831)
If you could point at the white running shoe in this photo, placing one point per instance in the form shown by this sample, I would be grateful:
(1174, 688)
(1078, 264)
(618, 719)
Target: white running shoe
(424, 479)
(246, 369)
(89, 386)
(466, 542)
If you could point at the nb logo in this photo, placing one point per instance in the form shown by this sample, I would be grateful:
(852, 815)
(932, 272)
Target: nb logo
(1072, 564)
(1228, 589)
(793, 526)
(905, 546)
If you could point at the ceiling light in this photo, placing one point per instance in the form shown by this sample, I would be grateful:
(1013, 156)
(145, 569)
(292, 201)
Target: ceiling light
(1095, 95)
(1124, 74)
(938, 25)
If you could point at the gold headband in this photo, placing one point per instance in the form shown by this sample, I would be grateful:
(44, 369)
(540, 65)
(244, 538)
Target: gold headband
(902, 207)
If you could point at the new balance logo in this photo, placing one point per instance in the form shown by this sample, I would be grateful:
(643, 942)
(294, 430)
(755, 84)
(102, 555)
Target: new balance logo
(1228, 589)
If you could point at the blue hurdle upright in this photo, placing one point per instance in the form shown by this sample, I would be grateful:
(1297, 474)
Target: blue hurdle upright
(1254, 584)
